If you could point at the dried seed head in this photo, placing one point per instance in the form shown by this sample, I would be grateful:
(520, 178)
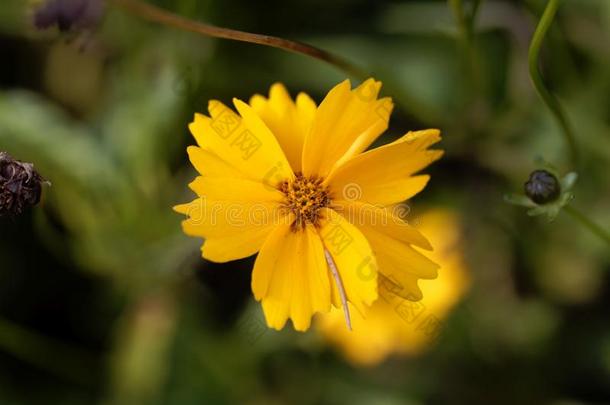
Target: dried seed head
(542, 187)
(20, 185)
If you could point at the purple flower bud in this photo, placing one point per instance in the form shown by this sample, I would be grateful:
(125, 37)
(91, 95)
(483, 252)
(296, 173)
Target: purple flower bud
(20, 185)
(69, 14)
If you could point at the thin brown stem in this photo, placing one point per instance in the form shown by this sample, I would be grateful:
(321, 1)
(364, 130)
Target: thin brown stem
(158, 15)
(333, 269)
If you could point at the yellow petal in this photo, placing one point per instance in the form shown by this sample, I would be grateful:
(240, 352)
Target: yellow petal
(401, 264)
(288, 121)
(383, 175)
(235, 215)
(232, 230)
(353, 257)
(386, 220)
(345, 123)
(306, 111)
(235, 190)
(236, 246)
(313, 276)
(268, 260)
(209, 164)
(384, 192)
(215, 219)
(245, 142)
(393, 325)
(290, 277)
(372, 338)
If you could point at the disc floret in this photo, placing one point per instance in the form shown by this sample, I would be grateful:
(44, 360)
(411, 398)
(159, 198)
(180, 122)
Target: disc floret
(305, 197)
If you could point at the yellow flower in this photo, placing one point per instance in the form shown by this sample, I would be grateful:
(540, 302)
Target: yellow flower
(292, 181)
(397, 326)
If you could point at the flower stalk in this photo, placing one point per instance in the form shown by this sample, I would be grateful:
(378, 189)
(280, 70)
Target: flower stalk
(465, 22)
(588, 223)
(551, 102)
(158, 15)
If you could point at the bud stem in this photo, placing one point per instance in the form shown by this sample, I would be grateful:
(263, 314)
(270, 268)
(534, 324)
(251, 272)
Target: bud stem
(551, 102)
(588, 223)
(465, 22)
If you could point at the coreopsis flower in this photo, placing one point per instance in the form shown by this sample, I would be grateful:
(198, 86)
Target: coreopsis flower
(293, 181)
(395, 326)
(20, 185)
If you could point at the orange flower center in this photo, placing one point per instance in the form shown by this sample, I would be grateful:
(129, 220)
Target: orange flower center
(305, 197)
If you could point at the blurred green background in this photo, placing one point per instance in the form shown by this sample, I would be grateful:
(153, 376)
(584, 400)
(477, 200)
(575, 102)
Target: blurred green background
(104, 300)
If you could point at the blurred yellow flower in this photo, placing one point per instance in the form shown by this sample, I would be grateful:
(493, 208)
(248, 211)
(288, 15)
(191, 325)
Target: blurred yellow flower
(292, 180)
(393, 325)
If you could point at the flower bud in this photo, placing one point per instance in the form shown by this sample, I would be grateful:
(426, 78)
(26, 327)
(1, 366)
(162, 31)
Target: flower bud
(69, 14)
(542, 187)
(20, 185)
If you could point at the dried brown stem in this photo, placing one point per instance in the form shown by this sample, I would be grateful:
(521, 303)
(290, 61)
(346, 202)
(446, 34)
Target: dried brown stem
(155, 14)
